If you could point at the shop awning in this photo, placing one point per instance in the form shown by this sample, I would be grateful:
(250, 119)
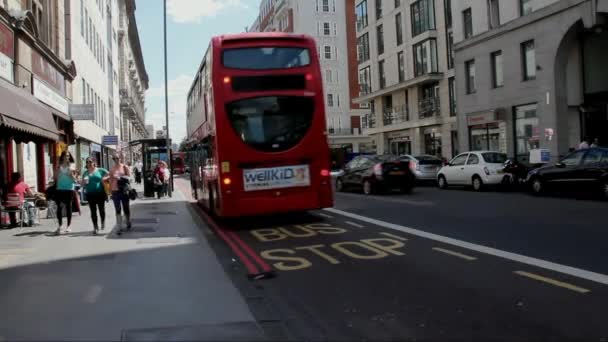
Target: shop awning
(21, 111)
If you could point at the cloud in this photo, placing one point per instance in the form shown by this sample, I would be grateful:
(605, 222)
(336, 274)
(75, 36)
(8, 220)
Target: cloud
(178, 94)
(192, 11)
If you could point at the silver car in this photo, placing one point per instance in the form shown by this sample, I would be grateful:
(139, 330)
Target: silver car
(424, 167)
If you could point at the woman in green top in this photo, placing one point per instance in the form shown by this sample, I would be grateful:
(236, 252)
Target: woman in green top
(93, 179)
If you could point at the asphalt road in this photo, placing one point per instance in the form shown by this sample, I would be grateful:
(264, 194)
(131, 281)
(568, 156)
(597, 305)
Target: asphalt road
(436, 265)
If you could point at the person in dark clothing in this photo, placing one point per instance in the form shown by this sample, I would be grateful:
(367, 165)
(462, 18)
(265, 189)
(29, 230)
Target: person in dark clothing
(93, 179)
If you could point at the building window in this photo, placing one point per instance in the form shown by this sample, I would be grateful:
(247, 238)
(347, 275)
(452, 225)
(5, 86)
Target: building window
(363, 48)
(326, 29)
(397, 3)
(497, 74)
(380, 38)
(467, 23)
(527, 133)
(381, 75)
(450, 49)
(525, 7)
(361, 12)
(378, 9)
(425, 57)
(330, 100)
(401, 66)
(493, 14)
(328, 75)
(423, 16)
(528, 55)
(90, 34)
(399, 28)
(327, 51)
(84, 91)
(470, 76)
(325, 5)
(447, 4)
(365, 83)
(44, 17)
(452, 94)
(82, 19)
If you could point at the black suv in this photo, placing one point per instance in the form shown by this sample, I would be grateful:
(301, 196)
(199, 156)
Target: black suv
(585, 170)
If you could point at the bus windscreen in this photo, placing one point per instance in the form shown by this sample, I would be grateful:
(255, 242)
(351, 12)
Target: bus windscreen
(266, 58)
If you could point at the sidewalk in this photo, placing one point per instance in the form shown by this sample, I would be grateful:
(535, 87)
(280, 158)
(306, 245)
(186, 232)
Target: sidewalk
(161, 281)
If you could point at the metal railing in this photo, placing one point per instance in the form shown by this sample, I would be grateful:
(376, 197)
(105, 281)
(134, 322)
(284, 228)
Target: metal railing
(364, 89)
(429, 107)
(396, 115)
(368, 121)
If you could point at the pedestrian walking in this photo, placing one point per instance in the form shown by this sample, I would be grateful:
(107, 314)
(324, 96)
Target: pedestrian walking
(584, 144)
(166, 178)
(65, 177)
(119, 180)
(92, 179)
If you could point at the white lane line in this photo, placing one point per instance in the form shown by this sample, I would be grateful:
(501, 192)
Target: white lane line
(456, 254)
(92, 294)
(325, 215)
(573, 271)
(552, 281)
(354, 224)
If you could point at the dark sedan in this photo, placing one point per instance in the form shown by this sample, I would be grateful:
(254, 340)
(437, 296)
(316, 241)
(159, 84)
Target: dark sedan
(582, 170)
(375, 174)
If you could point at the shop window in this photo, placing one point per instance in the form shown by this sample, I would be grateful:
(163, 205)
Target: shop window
(527, 134)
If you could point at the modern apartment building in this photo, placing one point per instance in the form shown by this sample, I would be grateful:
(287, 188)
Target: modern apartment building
(132, 80)
(406, 75)
(331, 23)
(531, 74)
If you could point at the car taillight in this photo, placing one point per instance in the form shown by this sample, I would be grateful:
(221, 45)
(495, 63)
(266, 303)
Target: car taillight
(325, 173)
(486, 170)
(227, 181)
(227, 80)
(378, 169)
(309, 77)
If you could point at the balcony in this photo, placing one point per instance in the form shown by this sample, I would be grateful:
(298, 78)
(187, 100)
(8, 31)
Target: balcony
(131, 104)
(368, 121)
(343, 131)
(429, 107)
(396, 115)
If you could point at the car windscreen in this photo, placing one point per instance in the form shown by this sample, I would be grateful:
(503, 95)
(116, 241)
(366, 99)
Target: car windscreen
(494, 157)
(271, 123)
(428, 160)
(266, 58)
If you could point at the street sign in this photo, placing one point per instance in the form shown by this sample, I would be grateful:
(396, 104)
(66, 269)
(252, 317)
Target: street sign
(109, 140)
(82, 112)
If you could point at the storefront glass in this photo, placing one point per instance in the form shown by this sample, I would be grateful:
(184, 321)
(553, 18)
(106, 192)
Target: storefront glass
(432, 144)
(400, 146)
(490, 137)
(527, 132)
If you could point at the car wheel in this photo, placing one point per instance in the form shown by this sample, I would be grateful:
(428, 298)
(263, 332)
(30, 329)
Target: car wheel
(339, 185)
(537, 186)
(442, 182)
(477, 183)
(367, 187)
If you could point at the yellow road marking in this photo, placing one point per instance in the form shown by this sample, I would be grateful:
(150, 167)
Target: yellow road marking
(92, 294)
(456, 254)
(393, 236)
(552, 281)
(354, 224)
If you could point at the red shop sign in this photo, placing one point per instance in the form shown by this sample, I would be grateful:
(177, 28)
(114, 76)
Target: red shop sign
(45, 71)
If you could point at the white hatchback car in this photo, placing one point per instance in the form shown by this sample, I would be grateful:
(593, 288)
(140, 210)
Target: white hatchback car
(476, 168)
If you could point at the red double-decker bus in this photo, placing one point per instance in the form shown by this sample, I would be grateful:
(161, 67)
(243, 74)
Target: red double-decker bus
(258, 126)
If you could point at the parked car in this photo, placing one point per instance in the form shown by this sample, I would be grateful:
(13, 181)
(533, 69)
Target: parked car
(478, 169)
(585, 170)
(374, 174)
(424, 167)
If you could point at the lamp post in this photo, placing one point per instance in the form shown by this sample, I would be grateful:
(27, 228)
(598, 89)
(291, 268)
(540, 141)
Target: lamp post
(168, 139)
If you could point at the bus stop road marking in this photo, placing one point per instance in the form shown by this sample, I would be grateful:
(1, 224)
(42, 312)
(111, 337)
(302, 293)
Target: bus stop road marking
(552, 281)
(548, 265)
(456, 254)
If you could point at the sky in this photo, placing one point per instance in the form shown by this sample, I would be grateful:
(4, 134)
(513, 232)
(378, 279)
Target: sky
(190, 26)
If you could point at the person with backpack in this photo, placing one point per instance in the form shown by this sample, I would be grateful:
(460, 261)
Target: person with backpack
(93, 178)
(120, 183)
